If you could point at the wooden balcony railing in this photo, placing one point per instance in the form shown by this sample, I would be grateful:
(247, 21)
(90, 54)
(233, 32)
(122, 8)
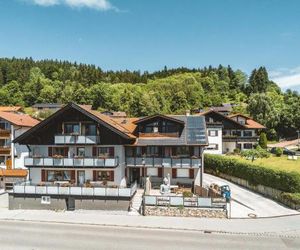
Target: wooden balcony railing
(174, 134)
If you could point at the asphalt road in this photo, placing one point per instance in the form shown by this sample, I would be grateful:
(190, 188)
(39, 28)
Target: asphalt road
(33, 235)
(246, 202)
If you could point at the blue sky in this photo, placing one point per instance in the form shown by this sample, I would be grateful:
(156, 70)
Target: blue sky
(149, 34)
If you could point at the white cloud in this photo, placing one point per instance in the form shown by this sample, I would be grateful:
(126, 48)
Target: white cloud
(286, 78)
(92, 4)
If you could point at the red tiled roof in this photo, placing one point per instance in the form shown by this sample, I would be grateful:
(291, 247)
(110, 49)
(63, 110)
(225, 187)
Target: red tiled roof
(109, 121)
(10, 108)
(250, 123)
(13, 172)
(19, 119)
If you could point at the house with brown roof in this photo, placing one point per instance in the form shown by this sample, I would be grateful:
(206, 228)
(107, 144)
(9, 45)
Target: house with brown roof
(226, 133)
(84, 159)
(12, 155)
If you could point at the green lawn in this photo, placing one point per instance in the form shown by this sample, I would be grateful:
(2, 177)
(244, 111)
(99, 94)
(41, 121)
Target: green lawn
(278, 163)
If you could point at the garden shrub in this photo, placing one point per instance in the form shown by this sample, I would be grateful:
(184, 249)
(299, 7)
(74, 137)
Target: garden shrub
(281, 180)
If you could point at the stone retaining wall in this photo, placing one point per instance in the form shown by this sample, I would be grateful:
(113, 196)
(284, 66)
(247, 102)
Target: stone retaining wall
(184, 212)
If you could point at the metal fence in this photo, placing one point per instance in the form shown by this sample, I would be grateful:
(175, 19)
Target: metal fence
(177, 201)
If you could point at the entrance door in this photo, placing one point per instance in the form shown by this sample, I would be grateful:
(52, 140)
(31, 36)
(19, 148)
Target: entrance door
(80, 177)
(135, 175)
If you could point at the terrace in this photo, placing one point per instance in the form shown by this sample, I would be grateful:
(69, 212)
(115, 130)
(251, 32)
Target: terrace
(92, 189)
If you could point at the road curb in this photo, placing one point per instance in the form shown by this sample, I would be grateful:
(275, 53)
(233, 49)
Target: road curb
(284, 234)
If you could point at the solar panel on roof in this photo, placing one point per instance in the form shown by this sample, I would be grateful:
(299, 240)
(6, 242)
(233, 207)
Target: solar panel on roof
(196, 130)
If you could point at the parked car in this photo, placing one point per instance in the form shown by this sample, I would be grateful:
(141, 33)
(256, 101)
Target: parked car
(286, 151)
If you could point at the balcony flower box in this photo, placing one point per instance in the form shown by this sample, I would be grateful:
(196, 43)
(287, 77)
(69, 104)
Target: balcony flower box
(36, 156)
(57, 156)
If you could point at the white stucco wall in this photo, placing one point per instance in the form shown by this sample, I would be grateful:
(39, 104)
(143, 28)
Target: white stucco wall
(215, 140)
(19, 152)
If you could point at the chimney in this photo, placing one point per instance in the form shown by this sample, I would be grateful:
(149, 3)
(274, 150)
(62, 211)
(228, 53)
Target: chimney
(187, 112)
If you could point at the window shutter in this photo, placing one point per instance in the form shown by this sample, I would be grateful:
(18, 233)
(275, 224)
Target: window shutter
(191, 173)
(174, 173)
(73, 177)
(66, 149)
(159, 172)
(43, 175)
(94, 151)
(112, 152)
(112, 175)
(94, 175)
(50, 151)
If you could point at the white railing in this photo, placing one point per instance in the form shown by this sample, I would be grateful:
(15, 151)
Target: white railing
(26, 188)
(165, 162)
(76, 139)
(71, 162)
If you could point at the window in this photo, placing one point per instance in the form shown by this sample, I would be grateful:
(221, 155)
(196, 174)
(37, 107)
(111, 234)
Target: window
(248, 146)
(4, 125)
(58, 151)
(152, 172)
(152, 151)
(182, 151)
(183, 173)
(248, 133)
(106, 152)
(58, 175)
(81, 152)
(129, 151)
(89, 129)
(105, 176)
(212, 132)
(212, 147)
(71, 128)
(236, 133)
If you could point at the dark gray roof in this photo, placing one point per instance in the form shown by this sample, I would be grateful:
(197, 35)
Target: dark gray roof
(194, 133)
(47, 105)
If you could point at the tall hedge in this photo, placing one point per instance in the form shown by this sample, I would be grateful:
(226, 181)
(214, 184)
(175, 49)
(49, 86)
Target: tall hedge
(281, 180)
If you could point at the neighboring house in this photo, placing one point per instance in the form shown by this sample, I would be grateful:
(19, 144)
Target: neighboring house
(83, 147)
(38, 107)
(225, 109)
(14, 109)
(115, 114)
(11, 126)
(237, 131)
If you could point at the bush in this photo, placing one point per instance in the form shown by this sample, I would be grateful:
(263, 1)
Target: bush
(278, 152)
(237, 151)
(281, 180)
(292, 197)
(187, 194)
(263, 140)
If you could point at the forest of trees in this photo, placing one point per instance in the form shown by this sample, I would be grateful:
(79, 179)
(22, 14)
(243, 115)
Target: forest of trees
(26, 82)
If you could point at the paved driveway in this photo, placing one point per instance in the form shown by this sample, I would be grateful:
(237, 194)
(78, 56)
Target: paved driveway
(246, 202)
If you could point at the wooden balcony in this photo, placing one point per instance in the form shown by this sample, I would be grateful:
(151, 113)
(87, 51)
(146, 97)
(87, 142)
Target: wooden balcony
(4, 133)
(4, 150)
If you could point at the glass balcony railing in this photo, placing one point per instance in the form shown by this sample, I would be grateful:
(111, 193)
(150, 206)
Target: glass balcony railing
(163, 162)
(76, 139)
(71, 162)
